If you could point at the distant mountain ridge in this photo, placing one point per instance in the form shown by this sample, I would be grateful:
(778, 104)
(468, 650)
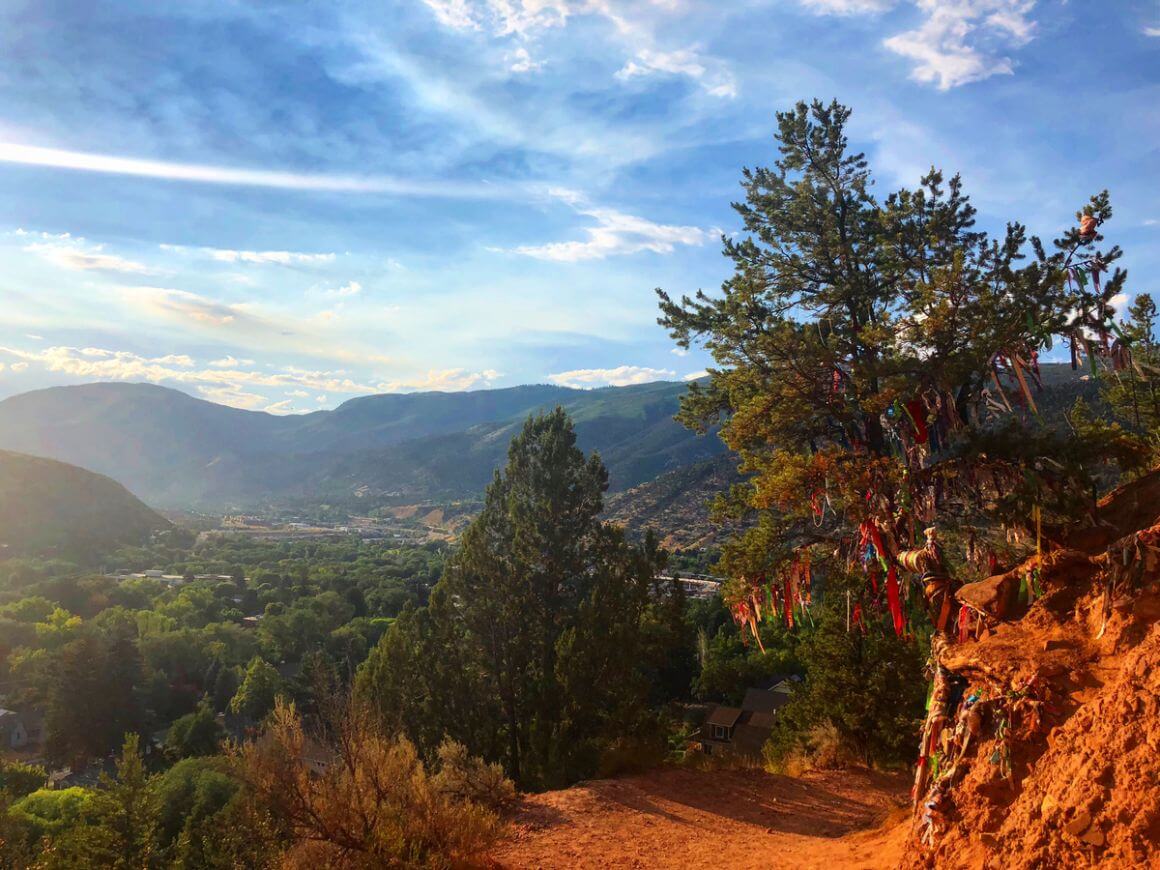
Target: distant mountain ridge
(53, 508)
(177, 451)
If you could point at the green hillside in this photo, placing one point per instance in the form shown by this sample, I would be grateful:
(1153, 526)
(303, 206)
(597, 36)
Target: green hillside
(52, 508)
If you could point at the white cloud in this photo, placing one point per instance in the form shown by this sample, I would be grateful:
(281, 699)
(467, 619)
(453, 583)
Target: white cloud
(18, 366)
(1151, 222)
(350, 288)
(692, 376)
(1152, 31)
(679, 351)
(298, 394)
(520, 61)
(459, 14)
(229, 361)
(322, 400)
(618, 377)
(281, 258)
(443, 380)
(286, 406)
(961, 40)
(615, 234)
(958, 41)
(80, 256)
(681, 62)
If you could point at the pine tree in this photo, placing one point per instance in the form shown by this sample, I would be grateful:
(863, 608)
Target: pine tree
(853, 328)
(531, 636)
(1134, 391)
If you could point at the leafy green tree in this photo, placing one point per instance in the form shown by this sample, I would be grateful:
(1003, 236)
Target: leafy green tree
(260, 688)
(203, 817)
(18, 780)
(197, 733)
(535, 625)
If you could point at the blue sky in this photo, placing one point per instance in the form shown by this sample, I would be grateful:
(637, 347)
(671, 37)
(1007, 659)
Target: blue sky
(283, 205)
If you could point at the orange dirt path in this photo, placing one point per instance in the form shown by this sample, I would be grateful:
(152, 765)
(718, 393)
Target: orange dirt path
(685, 818)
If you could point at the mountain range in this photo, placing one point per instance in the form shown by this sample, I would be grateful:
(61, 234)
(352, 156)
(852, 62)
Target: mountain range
(178, 452)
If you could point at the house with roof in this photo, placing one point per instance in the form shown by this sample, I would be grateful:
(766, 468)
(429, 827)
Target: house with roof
(18, 730)
(743, 730)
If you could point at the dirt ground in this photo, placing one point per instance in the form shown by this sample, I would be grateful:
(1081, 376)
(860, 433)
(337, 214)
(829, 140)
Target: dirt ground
(688, 818)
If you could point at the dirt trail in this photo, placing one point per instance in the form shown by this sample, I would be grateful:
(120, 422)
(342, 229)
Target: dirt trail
(684, 818)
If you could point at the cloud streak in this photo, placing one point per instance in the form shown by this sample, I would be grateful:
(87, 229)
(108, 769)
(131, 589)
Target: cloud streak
(56, 158)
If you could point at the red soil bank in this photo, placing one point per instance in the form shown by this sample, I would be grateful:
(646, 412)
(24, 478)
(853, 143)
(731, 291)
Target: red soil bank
(1065, 768)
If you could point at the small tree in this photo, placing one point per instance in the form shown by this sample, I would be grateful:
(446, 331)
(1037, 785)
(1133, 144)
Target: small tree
(197, 733)
(1133, 390)
(260, 688)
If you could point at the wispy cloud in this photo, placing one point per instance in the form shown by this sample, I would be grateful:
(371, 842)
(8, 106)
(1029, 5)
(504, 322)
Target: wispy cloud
(1152, 31)
(78, 255)
(620, 376)
(615, 234)
(681, 62)
(524, 20)
(31, 155)
(185, 306)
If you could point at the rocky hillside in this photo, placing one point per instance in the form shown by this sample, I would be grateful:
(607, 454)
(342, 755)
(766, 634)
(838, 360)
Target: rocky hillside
(1046, 752)
(51, 508)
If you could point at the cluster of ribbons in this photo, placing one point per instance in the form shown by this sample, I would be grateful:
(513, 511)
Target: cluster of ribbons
(786, 599)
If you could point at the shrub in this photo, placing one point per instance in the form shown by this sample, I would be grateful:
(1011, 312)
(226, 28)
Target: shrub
(464, 777)
(365, 799)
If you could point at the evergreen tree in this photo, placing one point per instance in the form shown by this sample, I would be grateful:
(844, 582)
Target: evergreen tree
(1134, 391)
(91, 698)
(875, 373)
(533, 634)
(852, 325)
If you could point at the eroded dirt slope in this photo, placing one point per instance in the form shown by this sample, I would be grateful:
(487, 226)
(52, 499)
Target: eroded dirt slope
(681, 818)
(1056, 761)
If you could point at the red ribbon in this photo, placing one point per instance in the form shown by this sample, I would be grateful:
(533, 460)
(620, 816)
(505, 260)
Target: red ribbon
(895, 602)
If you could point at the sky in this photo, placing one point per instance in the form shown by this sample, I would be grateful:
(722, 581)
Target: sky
(283, 205)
